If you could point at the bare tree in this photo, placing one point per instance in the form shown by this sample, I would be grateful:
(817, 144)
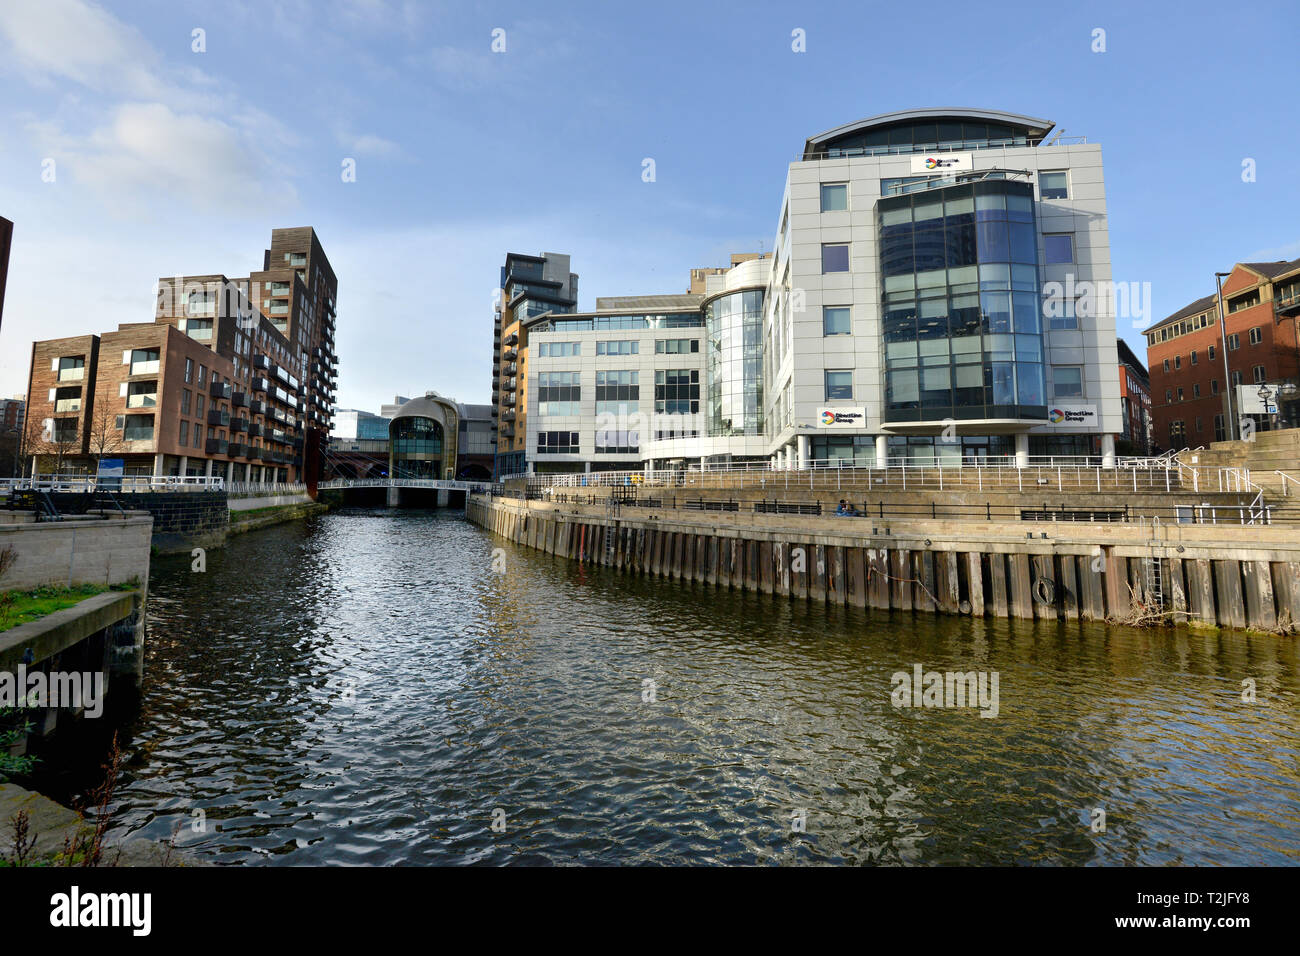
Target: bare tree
(103, 437)
(45, 440)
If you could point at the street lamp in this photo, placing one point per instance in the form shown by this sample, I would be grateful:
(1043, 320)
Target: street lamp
(1234, 430)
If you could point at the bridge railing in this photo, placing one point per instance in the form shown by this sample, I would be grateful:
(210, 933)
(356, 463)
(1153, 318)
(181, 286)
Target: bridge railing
(257, 489)
(126, 484)
(437, 484)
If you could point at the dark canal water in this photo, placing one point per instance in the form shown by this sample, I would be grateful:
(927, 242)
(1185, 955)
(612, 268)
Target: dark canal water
(363, 688)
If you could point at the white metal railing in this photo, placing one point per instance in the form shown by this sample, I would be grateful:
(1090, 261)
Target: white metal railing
(1287, 482)
(1159, 475)
(125, 484)
(255, 489)
(445, 484)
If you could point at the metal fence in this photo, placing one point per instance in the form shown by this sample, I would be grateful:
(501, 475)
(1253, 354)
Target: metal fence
(1242, 511)
(126, 484)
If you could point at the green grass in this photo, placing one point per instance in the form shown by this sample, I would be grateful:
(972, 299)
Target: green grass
(19, 607)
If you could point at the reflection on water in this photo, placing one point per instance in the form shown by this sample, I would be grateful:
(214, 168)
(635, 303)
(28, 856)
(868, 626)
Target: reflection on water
(362, 688)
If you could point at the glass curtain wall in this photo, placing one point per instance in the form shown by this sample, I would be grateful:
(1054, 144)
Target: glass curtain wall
(417, 448)
(962, 311)
(734, 370)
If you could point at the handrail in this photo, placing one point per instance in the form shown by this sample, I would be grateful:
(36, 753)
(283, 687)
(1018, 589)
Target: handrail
(125, 484)
(1287, 481)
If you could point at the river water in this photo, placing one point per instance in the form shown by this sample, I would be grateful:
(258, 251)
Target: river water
(363, 687)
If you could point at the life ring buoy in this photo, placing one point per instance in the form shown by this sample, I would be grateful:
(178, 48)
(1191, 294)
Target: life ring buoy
(1045, 591)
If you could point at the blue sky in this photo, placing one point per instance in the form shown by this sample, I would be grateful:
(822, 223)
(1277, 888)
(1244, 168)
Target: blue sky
(171, 161)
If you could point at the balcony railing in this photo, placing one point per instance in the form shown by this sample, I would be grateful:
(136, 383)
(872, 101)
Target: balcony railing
(145, 368)
(72, 374)
(220, 390)
(68, 405)
(217, 446)
(142, 400)
(219, 417)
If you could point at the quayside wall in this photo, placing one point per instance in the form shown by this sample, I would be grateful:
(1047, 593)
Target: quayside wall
(1216, 575)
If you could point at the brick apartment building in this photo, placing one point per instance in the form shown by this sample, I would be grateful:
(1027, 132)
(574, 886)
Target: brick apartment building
(1189, 394)
(233, 378)
(1135, 401)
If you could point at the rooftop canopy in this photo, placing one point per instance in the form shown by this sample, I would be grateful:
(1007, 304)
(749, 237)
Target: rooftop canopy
(937, 128)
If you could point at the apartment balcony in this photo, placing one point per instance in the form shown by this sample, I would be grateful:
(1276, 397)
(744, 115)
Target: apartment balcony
(509, 416)
(217, 446)
(495, 411)
(72, 374)
(219, 418)
(149, 367)
(510, 384)
(239, 424)
(220, 390)
(508, 431)
(257, 407)
(510, 354)
(236, 449)
(512, 369)
(141, 400)
(261, 362)
(254, 430)
(260, 384)
(512, 338)
(239, 399)
(67, 405)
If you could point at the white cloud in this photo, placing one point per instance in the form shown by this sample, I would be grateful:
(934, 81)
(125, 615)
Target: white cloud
(173, 136)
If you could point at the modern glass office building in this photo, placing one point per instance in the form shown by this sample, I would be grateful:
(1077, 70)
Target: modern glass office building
(939, 290)
(423, 438)
(734, 363)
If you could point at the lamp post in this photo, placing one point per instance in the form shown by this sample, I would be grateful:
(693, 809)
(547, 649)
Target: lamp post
(1234, 430)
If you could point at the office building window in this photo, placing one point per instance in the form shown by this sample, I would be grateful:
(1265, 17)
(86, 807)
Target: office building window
(557, 443)
(1236, 379)
(1177, 434)
(1061, 313)
(1256, 335)
(1214, 386)
(835, 257)
(617, 385)
(185, 401)
(1234, 342)
(1067, 381)
(1054, 185)
(1178, 361)
(1193, 356)
(611, 441)
(617, 347)
(559, 349)
(1258, 374)
(203, 372)
(1196, 391)
(1166, 365)
(836, 320)
(1058, 249)
(839, 386)
(1169, 395)
(185, 433)
(1209, 352)
(677, 391)
(1180, 394)
(835, 197)
(676, 346)
(1219, 433)
(189, 370)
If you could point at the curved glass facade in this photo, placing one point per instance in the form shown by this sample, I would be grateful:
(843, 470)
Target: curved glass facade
(962, 315)
(734, 364)
(417, 447)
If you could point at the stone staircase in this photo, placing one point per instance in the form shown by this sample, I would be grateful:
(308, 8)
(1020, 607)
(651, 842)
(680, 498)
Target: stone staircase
(1265, 455)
